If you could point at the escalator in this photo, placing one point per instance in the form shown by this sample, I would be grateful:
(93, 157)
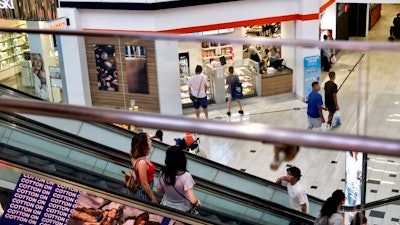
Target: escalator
(98, 168)
(199, 167)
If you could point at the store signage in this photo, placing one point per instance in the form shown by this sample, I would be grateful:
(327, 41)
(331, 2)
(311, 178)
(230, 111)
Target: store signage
(6, 4)
(38, 201)
(312, 72)
(57, 24)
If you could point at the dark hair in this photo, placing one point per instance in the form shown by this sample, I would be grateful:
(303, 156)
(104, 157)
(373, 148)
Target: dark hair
(331, 205)
(325, 37)
(339, 195)
(198, 69)
(331, 74)
(358, 219)
(175, 164)
(139, 145)
(231, 69)
(159, 134)
(314, 83)
(295, 172)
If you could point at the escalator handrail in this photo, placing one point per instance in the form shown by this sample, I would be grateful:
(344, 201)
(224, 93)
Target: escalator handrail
(123, 158)
(163, 146)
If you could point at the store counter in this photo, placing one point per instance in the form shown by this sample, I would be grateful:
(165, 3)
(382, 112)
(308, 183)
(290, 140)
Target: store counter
(279, 82)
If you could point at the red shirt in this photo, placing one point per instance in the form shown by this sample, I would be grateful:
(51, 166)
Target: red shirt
(150, 171)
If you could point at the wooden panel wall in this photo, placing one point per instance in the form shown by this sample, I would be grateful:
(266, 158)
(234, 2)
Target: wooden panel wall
(121, 99)
(275, 85)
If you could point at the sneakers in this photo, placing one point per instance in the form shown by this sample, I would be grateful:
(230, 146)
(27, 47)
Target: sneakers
(240, 112)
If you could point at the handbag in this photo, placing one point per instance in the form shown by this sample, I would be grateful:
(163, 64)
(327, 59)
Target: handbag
(130, 182)
(236, 89)
(194, 98)
(195, 207)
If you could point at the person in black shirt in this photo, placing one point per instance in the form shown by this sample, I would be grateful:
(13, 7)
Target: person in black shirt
(331, 96)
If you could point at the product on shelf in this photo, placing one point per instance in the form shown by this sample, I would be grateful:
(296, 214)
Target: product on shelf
(213, 51)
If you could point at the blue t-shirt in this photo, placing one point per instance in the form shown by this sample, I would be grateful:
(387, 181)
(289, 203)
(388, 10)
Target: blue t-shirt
(314, 101)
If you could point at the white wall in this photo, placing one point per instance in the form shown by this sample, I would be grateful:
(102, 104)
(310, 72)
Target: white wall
(328, 20)
(167, 64)
(75, 63)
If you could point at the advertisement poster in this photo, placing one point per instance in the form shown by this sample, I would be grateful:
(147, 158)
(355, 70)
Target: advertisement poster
(136, 69)
(39, 76)
(312, 72)
(353, 180)
(107, 75)
(37, 201)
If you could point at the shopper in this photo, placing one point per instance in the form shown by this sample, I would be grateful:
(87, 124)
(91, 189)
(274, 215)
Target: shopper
(231, 79)
(175, 182)
(329, 212)
(198, 86)
(314, 108)
(297, 195)
(143, 167)
(39, 77)
(331, 101)
(158, 136)
(359, 219)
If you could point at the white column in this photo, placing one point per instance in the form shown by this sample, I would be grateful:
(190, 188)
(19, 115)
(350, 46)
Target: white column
(305, 29)
(167, 64)
(73, 60)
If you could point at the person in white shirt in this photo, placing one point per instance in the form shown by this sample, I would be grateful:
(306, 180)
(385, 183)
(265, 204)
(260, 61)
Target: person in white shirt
(297, 195)
(198, 86)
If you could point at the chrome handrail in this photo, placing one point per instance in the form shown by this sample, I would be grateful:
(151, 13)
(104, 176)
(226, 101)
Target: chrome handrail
(336, 44)
(253, 131)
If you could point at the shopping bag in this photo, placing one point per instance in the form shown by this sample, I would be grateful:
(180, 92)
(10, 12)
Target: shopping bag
(333, 59)
(236, 90)
(336, 120)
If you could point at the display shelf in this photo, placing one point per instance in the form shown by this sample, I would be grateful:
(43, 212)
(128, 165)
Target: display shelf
(213, 51)
(12, 47)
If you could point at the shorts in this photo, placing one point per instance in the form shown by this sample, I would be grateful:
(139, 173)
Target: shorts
(331, 108)
(229, 95)
(200, 102)
(314, 122)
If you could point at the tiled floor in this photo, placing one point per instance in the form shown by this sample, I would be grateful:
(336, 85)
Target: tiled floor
(321, 168)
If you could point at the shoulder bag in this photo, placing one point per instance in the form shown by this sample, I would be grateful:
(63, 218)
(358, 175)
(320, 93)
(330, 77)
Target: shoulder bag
(236, 89)
(195, 207)
(194, 98)
(130, 182)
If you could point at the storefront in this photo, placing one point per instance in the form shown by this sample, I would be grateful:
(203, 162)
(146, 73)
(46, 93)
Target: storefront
(21, 52)
(250, 63)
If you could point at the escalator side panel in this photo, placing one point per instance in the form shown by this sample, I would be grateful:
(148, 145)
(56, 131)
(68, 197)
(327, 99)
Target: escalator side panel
(67, 125)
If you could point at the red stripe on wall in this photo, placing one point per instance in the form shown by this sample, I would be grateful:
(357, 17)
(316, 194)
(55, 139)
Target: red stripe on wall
(242, 23)
(326, 5)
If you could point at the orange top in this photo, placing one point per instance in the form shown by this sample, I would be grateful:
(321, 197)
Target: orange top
(189, 139)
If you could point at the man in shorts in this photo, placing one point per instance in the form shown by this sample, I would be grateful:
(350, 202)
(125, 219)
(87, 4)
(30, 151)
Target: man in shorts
(314, 108)
(198, 86)
(331, 96)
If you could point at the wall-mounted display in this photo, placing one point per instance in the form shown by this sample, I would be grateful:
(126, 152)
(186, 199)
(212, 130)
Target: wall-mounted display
(107, 74)
(56, 83)
(136, 69)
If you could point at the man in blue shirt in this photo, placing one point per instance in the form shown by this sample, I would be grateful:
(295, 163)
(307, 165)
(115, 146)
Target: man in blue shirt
(315, 106)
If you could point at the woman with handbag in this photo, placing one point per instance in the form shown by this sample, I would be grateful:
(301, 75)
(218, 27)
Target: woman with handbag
(176, 183)
(143, 167)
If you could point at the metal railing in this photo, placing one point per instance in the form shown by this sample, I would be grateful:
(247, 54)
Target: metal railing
(253, 131)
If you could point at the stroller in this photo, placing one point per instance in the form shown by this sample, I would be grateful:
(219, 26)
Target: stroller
(189, 143)
(395, 29)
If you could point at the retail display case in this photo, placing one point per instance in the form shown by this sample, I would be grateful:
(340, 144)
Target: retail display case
(213, 51)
